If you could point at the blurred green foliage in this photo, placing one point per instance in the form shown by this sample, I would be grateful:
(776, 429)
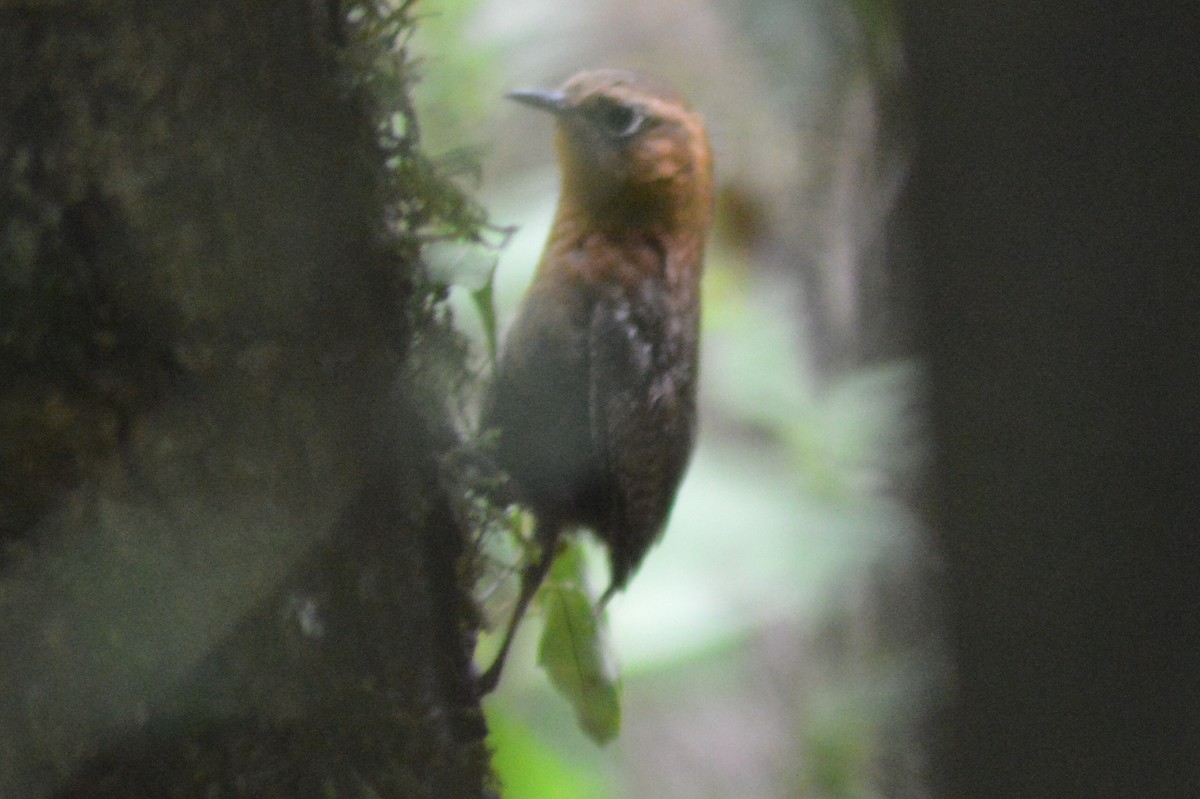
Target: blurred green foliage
(529, 766)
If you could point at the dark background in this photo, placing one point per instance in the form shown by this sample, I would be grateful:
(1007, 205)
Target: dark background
(1054, 220)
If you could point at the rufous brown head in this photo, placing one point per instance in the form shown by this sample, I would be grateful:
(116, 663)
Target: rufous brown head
(629, 145)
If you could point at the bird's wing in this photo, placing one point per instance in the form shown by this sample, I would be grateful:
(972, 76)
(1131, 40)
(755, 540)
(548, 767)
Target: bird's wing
(641, 402)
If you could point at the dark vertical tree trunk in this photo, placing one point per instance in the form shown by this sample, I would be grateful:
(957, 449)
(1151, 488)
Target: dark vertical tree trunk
(227, 567)
(1053, 195)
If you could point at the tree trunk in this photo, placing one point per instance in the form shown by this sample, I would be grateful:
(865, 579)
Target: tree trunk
(228, 567)
(1055, 236)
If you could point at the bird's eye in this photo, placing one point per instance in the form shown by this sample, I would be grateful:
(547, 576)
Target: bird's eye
(619, 121)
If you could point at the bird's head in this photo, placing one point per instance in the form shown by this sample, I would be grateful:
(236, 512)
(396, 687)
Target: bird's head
(632, 152)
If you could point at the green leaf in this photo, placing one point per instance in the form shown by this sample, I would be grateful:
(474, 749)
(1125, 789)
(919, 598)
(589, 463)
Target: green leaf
(574, 649)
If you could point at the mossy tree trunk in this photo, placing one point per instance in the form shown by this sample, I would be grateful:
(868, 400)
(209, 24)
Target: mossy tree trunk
(227, 567)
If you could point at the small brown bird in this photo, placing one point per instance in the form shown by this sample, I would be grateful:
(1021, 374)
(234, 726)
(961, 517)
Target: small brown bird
(595, 394)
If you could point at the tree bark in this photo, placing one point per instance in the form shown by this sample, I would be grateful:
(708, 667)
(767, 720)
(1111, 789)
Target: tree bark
(228, 567)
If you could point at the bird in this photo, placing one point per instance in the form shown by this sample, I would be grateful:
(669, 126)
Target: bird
(594, 395)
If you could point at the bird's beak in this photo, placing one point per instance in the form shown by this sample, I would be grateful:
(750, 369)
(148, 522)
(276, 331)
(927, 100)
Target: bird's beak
(554, 102)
